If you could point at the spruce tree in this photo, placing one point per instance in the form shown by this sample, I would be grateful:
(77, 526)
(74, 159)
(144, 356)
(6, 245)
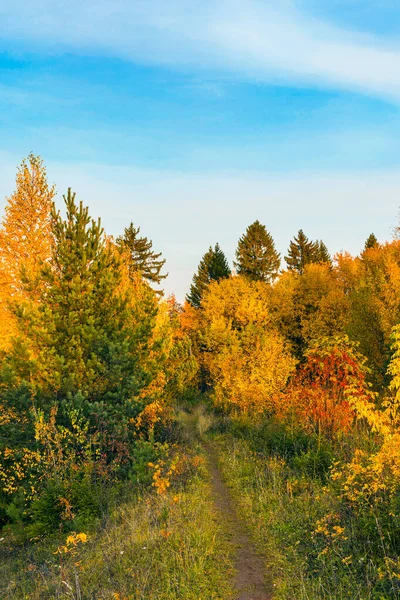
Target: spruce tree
(142, 257)
(303, 251)
(213, 266)
(300, 253)
(256, 255)
(371, 242)
(322, 253)
(83, 333)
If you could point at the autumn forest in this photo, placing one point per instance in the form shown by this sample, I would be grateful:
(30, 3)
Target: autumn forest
(154, 450)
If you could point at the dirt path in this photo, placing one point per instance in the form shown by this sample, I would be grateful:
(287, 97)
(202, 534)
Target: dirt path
(250, 568)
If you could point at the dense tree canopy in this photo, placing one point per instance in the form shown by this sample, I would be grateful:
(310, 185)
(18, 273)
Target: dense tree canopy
(245, 359)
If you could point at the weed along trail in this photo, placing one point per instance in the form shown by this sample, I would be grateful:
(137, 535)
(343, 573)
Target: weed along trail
(250, 570)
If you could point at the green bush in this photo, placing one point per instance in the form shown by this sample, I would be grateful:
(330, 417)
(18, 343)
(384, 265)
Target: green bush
(143, 453)
(309, 454)
(315, 463)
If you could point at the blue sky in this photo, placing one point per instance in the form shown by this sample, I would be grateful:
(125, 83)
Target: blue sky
(193, 119)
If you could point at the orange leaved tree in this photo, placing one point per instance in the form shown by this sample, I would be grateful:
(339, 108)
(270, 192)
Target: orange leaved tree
(327, 387)
(25, 238)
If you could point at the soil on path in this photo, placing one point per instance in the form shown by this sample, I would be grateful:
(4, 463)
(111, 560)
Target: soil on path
(250, 579)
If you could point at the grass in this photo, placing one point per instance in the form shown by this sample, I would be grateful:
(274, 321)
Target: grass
(158, 547)
(283, 505)
(173, 546)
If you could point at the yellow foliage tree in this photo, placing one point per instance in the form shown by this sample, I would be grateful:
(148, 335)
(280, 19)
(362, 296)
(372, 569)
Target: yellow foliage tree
(246, 359)
(373, 288)
(25, 237)
(322, 304)
(170, 361)
(167, 355)
(373, 479)
(308, 307)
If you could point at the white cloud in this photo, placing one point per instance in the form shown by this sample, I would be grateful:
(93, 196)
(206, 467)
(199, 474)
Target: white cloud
(259, 39)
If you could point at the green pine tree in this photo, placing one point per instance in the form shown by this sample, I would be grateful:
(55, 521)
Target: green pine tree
(213, 266)
(142, 256)
(303, 251)
(256, 255)
(322, 253)
(83, 333)
(300, 253)
(78, 369)
(371, 242)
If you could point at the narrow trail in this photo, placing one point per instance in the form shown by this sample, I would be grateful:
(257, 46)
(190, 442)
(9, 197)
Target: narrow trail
(250, 580)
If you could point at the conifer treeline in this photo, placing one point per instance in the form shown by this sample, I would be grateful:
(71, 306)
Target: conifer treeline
(258, 260)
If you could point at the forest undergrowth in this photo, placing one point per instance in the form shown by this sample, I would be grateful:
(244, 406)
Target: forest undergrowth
(315, 546)
(151, 546)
